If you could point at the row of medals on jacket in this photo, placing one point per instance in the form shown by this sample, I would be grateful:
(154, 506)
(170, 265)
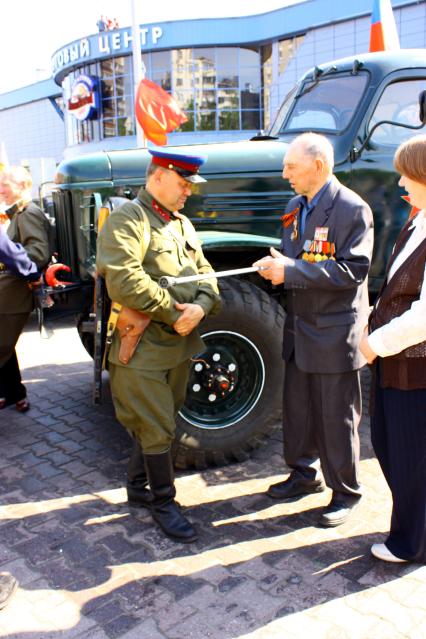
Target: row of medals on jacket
(318, 249)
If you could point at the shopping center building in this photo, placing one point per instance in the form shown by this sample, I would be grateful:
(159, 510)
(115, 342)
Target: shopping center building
(229, 75)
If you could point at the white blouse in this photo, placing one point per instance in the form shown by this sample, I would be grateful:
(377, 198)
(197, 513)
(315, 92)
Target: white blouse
(409, 328)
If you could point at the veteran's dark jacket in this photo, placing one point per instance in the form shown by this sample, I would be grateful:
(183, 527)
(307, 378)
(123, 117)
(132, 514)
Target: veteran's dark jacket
(30, 228)
(132, 270)
(327, 302)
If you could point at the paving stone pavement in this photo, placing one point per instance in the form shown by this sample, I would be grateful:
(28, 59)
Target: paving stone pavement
(90, 567)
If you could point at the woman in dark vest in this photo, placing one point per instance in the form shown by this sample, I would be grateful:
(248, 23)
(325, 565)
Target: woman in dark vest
(396, 346)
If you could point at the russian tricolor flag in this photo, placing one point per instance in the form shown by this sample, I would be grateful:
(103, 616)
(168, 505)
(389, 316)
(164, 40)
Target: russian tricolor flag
(383, 34)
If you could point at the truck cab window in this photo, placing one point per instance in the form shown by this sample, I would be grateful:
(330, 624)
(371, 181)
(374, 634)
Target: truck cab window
(399, 102)
(327, 105)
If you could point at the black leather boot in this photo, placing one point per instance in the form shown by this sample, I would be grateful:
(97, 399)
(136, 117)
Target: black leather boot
(165, 511)
(138, 493)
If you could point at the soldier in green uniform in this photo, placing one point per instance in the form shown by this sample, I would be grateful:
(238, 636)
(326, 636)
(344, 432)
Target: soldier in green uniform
(22, 258)
(150, 389)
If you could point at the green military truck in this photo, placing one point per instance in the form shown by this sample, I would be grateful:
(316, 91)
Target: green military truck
(366, 105)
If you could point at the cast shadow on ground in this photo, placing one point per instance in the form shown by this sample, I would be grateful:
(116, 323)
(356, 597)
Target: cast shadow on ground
(247, 594)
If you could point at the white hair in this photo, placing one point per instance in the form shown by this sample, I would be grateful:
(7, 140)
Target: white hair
(317, 146)
(20, 176)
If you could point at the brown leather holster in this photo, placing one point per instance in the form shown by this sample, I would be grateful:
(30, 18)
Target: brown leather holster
(131, 325)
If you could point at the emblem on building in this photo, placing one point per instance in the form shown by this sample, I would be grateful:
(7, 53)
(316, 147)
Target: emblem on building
(84, 100)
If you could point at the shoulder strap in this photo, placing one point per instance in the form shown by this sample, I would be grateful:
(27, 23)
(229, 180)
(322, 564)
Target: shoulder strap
(187, 230)
(146, 227)
(186, 224)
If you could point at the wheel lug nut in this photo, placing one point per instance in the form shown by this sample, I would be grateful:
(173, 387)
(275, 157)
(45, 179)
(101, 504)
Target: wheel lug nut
(231, 367)
(198, 367)
(196, 388)
(212, 397)
(216, 357)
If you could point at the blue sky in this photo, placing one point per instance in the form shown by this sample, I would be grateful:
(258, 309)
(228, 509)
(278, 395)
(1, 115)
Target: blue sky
(31, 30)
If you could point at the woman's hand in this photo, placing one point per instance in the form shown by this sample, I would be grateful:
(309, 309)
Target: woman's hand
(365, 348)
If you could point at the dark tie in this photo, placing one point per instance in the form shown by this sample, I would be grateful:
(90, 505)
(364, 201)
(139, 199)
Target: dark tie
(306, 210)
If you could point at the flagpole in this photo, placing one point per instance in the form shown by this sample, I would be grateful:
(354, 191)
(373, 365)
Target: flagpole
(383, 30)
(138, 71)
(4, 162)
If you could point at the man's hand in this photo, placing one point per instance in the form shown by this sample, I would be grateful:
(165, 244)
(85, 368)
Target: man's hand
(191, 316)
(274, 267)
(365, 348)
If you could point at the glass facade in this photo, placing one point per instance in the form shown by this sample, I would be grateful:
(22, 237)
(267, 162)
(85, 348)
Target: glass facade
(218, 88)
(286, 51)
(117, 97)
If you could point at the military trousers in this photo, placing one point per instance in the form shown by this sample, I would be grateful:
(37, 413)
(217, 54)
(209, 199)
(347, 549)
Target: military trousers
(146, 403)
(321, 415)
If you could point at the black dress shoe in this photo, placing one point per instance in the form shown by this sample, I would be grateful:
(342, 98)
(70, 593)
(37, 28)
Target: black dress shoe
(294, 487)
(337, 513)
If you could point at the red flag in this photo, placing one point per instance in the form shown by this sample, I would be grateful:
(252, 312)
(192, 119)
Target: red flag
(383, 32)
(157, 112)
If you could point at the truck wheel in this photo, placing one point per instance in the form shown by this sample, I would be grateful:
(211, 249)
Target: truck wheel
(235, 385)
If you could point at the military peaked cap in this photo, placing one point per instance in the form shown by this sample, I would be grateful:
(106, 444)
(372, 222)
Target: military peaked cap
(187, 166)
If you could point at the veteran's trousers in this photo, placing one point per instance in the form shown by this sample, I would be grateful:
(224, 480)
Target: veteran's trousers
(321, 415)
(11, 387)
(398, 434)
(147, 402)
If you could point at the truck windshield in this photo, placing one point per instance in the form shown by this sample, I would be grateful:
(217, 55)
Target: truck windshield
(325, 105)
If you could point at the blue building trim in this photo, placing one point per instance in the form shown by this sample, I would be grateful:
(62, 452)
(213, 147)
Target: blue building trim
(57, 108)
(31, 93)
(255, 29)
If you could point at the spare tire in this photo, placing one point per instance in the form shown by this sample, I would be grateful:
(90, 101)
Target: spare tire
(235, 387)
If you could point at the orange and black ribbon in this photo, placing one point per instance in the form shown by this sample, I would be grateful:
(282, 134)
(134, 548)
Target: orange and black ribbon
(288, 218)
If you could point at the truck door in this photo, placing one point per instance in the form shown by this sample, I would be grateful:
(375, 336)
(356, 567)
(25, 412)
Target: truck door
(374, 176)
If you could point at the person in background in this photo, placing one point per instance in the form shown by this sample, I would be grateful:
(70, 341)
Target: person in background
(395, 345)
(326, 248)
(139, 242)
(102, 24)
(23, 254)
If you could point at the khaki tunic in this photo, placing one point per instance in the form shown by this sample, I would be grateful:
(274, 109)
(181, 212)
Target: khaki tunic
(131, 272)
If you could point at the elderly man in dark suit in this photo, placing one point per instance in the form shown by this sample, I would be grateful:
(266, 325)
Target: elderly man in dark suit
(323, 265)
